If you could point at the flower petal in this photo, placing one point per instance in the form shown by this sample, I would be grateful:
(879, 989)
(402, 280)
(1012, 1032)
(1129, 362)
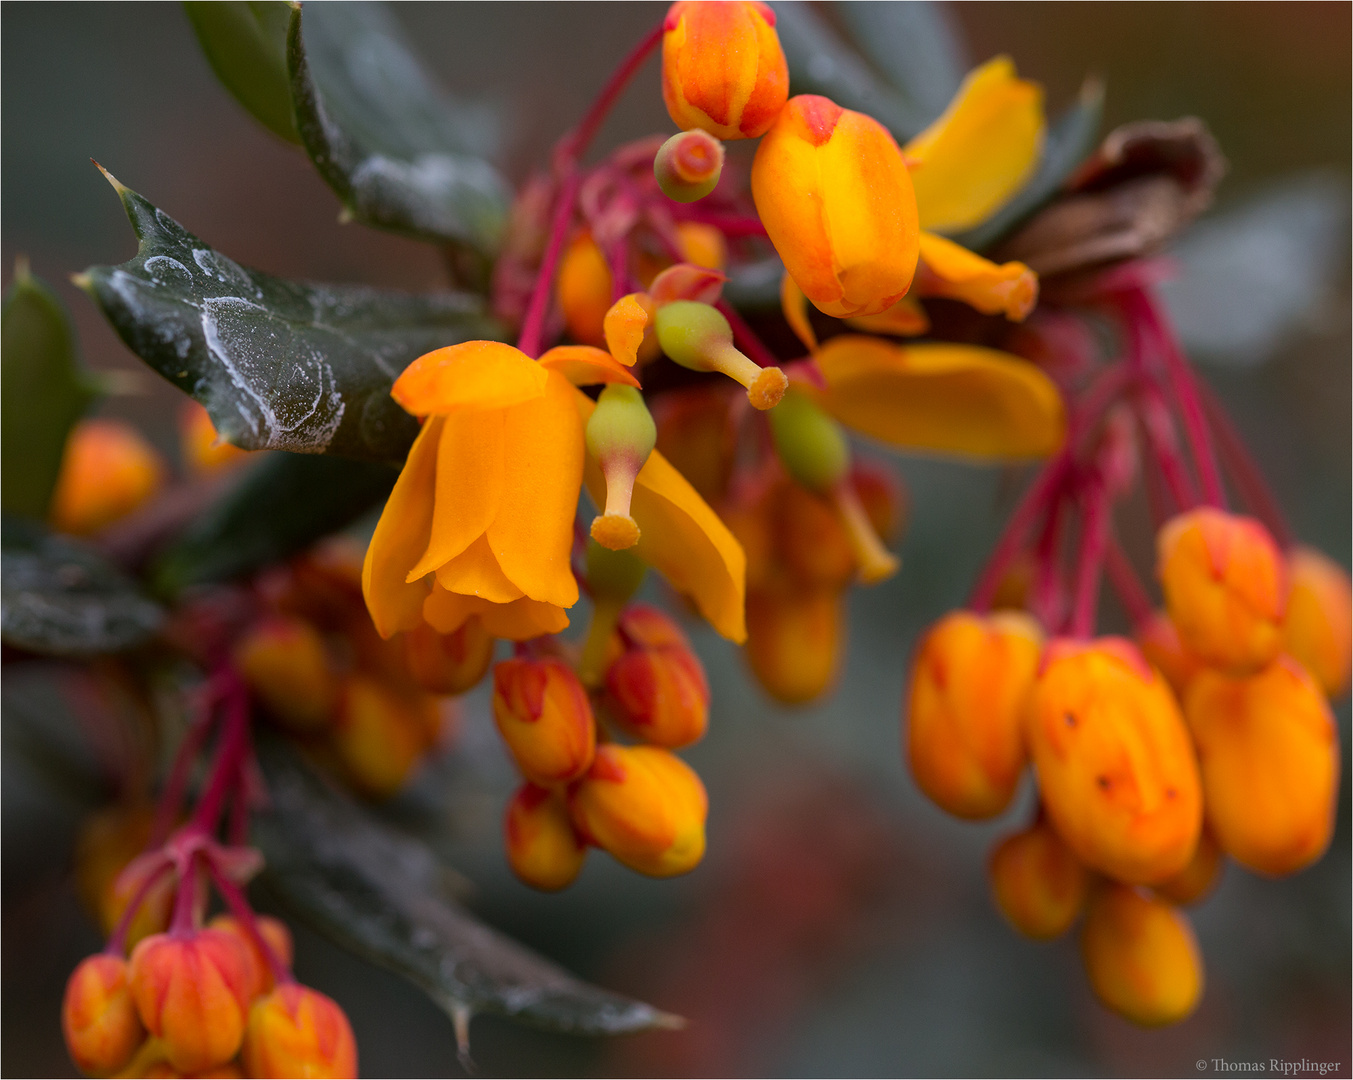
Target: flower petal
(952, 399)
(583, 365)
(624, 326)
(473, 374)
(949, 269)
(795, 307)
(516, 621)
(906, 318)
(475, 572)
(971, 160)
(400, 538)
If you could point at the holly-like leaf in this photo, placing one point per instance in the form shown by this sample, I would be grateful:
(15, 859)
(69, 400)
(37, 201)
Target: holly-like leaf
(60, 598)
(43, 392)
(284, 504)
(399, 152)
(279, 365)
(384, 895)
(246, 45)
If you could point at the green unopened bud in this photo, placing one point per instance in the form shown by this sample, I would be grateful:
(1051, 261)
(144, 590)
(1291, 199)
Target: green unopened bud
(688, 165)
(697, 336)
(811, 445)
(620, 435)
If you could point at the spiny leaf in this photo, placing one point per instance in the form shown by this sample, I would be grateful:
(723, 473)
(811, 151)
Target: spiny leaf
(279, 365)
(246, 45)
(43, 392)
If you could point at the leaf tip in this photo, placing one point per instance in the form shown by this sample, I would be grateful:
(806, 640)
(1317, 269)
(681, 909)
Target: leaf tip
(118, 185)
(81, 281)
(669, 1021)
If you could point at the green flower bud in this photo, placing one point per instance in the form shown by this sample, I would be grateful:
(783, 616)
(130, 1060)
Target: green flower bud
(620, 435)
(688, 165)
(698, 337)
(811, 445)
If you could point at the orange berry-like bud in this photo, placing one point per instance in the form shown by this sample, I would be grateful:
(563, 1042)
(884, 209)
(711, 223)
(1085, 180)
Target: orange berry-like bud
(970, 678)
(284, 661)
(584, 290)
(153, 915)
(795, 641)
(1319, 627)
(380, 734)
(448, 663)
(1039, 885)
(192, 992)
(835, 195)
(1160, 643)
(1269, 752)
(542, 847)
(1115, 765)
(1197, 879)
(657, 691)
(1141, 956)
(297, 1031)
(702, 245)
(98, 1016)
(643, 805)
(274, 932)
(203, 449)
(723, 70)
(1225, 584)
(543, 715)
(107, 472)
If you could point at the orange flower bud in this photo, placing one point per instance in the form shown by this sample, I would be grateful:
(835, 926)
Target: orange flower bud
(657, 690)
(1269, 752)
(723, 70)
(448, 663)
(1197, 879)
(274, 932)
(380, 735)
(811, 539)
(795, 641)
(284, 661)
(108, 840)
(584, 290)
(1141, 956)
(687, 168)
(1160, 644)
(542, 847)
(1319, 627)
(643, 805)
(98, 1016)
(297, 1031)
(107, 472)
(192, 992)
(702, 245)
(203, 449)
(647, 627)
(543, 715)
(1115, 765)
(153, 915)
(834, 193)
(1225, 584)
(970, 678)
(1039, 885)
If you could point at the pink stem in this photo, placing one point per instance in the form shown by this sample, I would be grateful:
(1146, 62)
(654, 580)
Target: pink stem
(175, 787)
(1090, 561)
(225, 775)
(1046, 591)
(118, 939)
(239, 907)
(745, 338)
(533, 326)
(185, 900)
(1258, 495)
(1136, 602)
(1156, 421)
(731, 225)
(1036, 500)
(575, 144)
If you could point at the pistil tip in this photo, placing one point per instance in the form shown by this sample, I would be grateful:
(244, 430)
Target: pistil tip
(615, 531)
(767, 388)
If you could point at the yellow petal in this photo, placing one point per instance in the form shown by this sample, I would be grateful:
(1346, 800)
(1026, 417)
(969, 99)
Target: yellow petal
(401, 536)
(583, 365)
(795, 307)
(949, 269)
(475, 572)
(906, 318)
(682, 538)
(475, 374)
(532, 535)
(952, 399)
(971, 160)
(516, 621)
(624, 327)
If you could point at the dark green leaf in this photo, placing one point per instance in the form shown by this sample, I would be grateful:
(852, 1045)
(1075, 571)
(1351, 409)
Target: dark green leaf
(246, 45)
(279, 365)
(915, 45)
(60, 598)
(1069, 142)
(400, 153)
(284, 504)
(42, 393)
(384, 895)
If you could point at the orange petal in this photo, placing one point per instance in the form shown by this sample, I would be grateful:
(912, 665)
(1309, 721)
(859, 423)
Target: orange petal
(795, 307)
(906, 318)
(473, 374)
(516, 621)
(475, 572)
(949, 269)
(583, 365)
(400, 538)
(624, 326)
(952, 399)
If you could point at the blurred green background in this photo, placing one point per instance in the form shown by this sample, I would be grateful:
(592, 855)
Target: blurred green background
(840, 924)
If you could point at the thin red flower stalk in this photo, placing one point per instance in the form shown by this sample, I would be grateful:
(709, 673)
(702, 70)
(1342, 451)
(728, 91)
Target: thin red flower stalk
(1040, 495)
(1127, 585)
(533, 326)
(185, 900)
(234, 897)
(226, 768)
(732, 226)
(1096, 519)
(1046, 589)
(117, 940)
(1159, 429)
(573, 145)
(177, 784)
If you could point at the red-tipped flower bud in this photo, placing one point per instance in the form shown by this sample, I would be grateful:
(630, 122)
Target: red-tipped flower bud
(542, 847)
(1039, 885)
(656, 689)
(543, 715)
(380, 734)
(297, 1031)
(448, 663)
(274, 932)
(284, 661)
(98, 1016)
(687, 167)
(697, 336)
(620, 435)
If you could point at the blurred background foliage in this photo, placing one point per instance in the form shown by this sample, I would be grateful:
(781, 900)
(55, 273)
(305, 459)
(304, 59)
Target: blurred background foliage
(840, 925)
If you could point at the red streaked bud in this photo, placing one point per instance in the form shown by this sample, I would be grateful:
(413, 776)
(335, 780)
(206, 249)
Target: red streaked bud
(1039, 884)
(543, 715)
(297, 1031)
(98, 1016)
(656, 690)
(543, 849)
(152, 916)
(687, 166)
(381, 733)
(274, 932)
(284, 661)
(448, 663)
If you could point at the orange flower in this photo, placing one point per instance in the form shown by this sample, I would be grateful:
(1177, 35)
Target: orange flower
(1039, 885)
(274, 932)
(970, 678)
(542, 848)
(543, 715)
(723, 70)
(1269, 751)
(1115, 766)
(448, 663)
(297, 1031)
(107, 472)
(1319, 627)
(98, 1016)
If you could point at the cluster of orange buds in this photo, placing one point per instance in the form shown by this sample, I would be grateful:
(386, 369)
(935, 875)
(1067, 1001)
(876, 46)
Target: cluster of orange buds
(372, 708)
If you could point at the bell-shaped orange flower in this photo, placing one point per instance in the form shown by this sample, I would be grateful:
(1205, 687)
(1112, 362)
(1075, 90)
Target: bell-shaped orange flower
(543, 715)
(1141, 955)
(1225, 585)
(98, 1016)
(1269, 751)
(1039, 885)
(723, 70)
(297, 1031)
(543, 849)
(835, 196)
(970, 678)
(107, 471)
(1319, 627)
(1115, 765)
